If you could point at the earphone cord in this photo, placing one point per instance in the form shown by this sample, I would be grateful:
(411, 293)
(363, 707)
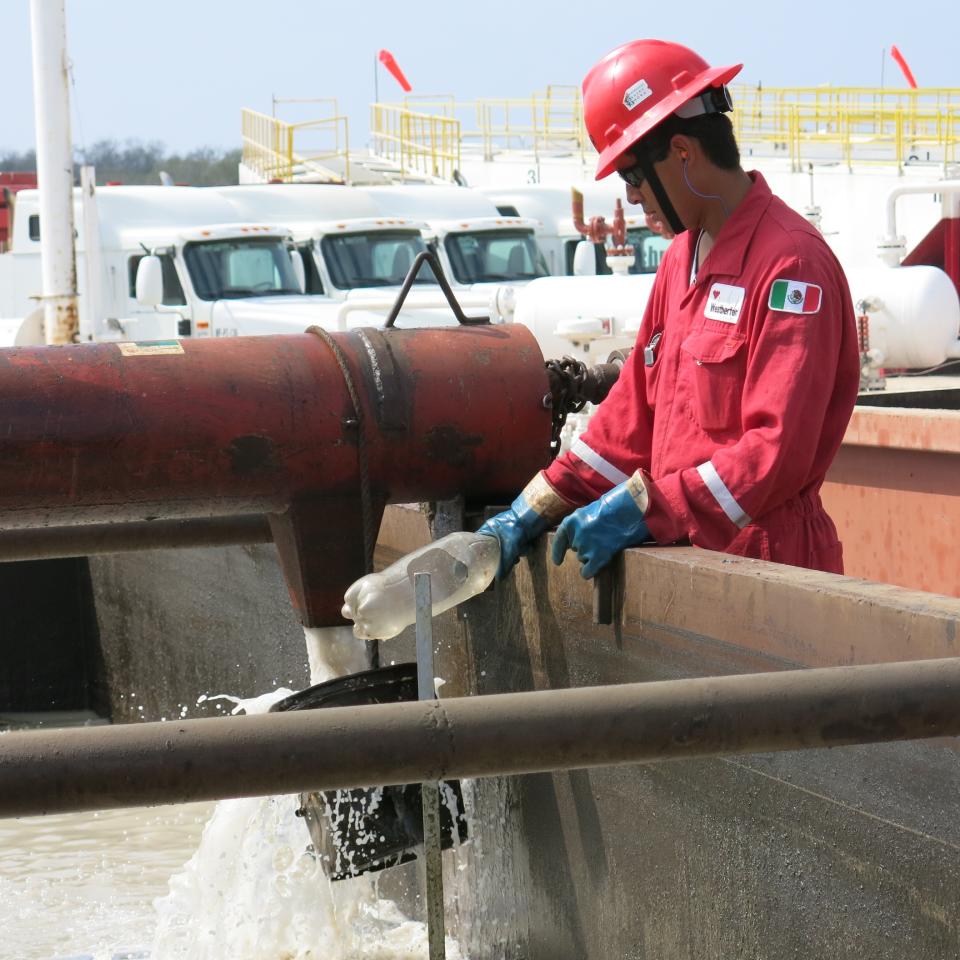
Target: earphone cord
(703, 196)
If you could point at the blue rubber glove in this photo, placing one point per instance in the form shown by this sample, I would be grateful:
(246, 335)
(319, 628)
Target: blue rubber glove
(600, 530)
(516, 529)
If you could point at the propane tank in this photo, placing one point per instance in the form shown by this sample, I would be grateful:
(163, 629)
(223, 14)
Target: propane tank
(913, 314)
(569, 315)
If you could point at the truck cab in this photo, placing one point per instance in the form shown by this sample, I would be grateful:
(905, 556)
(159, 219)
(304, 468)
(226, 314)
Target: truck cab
(353, 234)
(348, 248)
(169, 262)
(480, 249)
(204, 275)
(484, 253)
(355, 257)
(550, 207)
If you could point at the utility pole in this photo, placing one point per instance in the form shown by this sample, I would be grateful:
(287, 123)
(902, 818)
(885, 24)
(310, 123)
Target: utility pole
(51, 104)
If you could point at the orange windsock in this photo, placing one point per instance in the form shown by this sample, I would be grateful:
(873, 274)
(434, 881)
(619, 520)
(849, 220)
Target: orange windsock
(386, 58)
(902, 64)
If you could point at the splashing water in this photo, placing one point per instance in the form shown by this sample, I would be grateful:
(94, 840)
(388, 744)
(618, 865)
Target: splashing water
(252, 891)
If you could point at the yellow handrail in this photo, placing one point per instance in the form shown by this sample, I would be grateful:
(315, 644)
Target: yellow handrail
(851, 124)
(425, 135)
(278, 150)
(423, 144)
(544, 121)
(328, 104)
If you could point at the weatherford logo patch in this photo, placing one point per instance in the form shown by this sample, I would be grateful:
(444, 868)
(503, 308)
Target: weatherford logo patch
(636, 94)
(795, 296)
(724, 302)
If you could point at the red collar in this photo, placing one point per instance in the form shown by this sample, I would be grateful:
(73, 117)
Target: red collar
(730, 245)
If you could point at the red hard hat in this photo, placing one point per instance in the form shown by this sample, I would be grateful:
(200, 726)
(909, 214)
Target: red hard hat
(635, 87)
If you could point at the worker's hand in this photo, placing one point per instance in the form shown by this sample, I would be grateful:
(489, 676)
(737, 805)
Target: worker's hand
(516, 529)
(535, 510)
(600, 530)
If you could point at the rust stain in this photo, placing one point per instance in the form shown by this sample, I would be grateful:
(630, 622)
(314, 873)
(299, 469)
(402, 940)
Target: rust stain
(251, 454)
(449, 445)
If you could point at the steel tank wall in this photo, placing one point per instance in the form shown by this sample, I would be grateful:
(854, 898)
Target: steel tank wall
(828, 853)
(844, 854)
(893, 491)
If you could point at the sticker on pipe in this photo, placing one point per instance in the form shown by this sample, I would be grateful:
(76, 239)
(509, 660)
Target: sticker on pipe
(151, 348)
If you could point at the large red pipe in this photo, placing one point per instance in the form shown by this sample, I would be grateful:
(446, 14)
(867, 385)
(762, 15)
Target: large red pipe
(267, 425)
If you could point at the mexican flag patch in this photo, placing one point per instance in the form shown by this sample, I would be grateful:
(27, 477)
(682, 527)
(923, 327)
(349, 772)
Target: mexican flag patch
(793, 296)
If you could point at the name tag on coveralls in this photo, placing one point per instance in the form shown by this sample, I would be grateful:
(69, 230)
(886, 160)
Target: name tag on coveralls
(723, 303)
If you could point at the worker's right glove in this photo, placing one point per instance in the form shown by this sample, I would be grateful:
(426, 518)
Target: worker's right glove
(600, 530)
(536, 510)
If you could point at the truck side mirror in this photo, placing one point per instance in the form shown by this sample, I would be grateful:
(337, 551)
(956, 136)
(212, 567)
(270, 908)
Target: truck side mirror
(149, 281)
(584, 259)
(300, 271)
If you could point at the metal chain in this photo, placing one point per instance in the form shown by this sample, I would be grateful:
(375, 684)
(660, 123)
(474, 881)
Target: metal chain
(566, 381)
(366, 505)
(573, 385)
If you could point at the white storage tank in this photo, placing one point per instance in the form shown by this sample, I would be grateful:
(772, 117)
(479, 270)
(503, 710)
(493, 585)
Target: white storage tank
(914, 314)
(584, 317)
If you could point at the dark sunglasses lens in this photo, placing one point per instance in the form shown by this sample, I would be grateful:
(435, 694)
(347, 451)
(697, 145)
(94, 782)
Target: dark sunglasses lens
(632, 175)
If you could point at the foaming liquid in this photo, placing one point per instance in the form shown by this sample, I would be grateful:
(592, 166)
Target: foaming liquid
(252, 890)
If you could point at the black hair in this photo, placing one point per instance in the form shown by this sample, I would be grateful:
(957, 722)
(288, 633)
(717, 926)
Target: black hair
(714, 131)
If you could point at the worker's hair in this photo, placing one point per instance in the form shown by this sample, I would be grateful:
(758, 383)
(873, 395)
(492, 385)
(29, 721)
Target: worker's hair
(713, 130)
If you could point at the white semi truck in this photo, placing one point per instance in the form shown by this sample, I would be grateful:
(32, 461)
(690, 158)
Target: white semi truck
(161, 262)
(361, 237)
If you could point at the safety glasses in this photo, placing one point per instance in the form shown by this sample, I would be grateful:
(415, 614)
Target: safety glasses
(632, 175)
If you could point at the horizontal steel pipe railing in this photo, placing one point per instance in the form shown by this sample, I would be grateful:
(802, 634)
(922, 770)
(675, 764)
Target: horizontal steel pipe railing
(87, 540)
(141, 764)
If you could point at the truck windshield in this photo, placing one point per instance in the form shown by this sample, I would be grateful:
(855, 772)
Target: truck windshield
(380, 258)
(495, 255)
(242, 267)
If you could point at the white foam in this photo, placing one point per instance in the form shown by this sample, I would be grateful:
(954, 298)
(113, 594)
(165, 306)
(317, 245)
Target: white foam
(252, 891)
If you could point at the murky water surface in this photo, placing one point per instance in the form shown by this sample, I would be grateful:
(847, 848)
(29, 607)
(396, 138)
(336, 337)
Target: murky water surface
(201, 881)
(84, 884)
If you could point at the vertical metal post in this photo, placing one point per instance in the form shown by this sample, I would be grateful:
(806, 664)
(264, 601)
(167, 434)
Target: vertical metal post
(430, 791)
(92, 313)
(51, 103)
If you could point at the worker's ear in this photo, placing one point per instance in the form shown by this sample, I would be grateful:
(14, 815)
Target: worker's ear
(682, 146)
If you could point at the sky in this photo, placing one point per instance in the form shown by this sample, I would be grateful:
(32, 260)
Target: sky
(180, 72)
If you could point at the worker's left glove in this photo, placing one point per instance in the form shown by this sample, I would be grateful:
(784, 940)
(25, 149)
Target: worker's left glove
(536, 509)
(600, 530)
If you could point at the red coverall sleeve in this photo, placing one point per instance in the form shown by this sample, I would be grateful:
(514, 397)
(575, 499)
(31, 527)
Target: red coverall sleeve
(791, 372)
(618, 440)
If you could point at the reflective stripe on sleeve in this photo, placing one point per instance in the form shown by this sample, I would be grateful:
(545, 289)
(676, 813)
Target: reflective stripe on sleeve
(593, 460)
(733, 510)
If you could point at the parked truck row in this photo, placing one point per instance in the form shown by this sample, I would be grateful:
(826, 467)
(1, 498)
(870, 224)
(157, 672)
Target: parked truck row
(166, 262)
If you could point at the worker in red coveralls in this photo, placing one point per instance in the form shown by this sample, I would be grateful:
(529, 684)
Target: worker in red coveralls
(733, 403)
